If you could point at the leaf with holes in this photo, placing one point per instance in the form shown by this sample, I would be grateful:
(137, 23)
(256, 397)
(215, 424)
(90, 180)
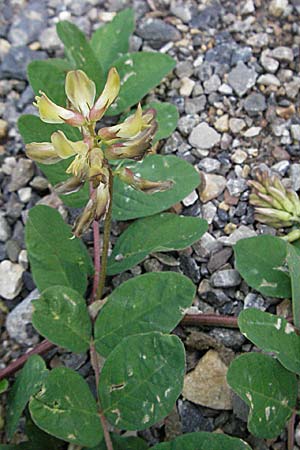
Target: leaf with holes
(161, 233)
(33, 129)
(141, 380)
(268, 388)
(80, 53)
(61, 315)
(261, 261)
(56, 256)
(139, 72)
(49, 77)
(272, 334)
(66, 408)
(131, 204)
(150, 302)
(293, 261)
(203, 441)
(111, 41)
(123, 443)
(28, 382)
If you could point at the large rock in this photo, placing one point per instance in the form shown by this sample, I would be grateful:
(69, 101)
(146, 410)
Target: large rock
(204, 136)
(10, 279)
(207, 385)
(157, 32)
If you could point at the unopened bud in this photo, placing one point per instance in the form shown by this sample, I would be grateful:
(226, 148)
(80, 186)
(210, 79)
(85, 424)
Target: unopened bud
(147, 186)
(70, 186)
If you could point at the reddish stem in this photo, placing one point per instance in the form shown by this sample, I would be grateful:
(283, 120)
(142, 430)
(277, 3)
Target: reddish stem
(291, 431)
(210, 320)
(40, 349)
(97, 263)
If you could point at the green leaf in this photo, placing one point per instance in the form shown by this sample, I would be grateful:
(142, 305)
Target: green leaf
(123, 443)
(293, 261)
(272, 334)
(56, 256)
(161, 233)
(203, 441)
(131, 204)
(79, 52)
(3, 386)
(111, 41)
(141, 380)
(149, 302)
(61, 316)
(49, 77)
(28, 382)
(66, 408)
(139, 72)
(261, 261)
(167, 118)
(33, 129)
(38, 440)
(268, 388)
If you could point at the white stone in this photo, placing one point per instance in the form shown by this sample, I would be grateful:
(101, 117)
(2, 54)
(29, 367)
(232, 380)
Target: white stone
(295, 132)
(190, 199)
(268, 63)
(252, 132)
(239, 156)
(278, 7)
(268, 80)
(19, 318)
(284, 54)
(204, 136)
(187, 86)
(221, 124)
(10, 279)
(25, 194)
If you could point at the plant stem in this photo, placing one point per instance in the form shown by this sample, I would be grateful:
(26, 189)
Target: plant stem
(106, 236)
(97, 264)
(291, 431)
(210, 320)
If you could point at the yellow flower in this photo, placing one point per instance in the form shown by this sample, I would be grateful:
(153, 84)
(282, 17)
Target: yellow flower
(108, 96)
(52, 113)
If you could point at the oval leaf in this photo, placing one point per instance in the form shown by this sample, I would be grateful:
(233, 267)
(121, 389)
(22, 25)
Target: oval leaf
(66, 408)
(110, 41)
(56, 257)
(28, 383)
(131, 204)
(3, 386)
(272, 334)
(49, 77)
(141, 380)
(61, 315)
(167, 118)
(261, 261)
(139, 73)
(268, 388)
(161, 233)
(150, 302)
(203, 441)
(80, 53)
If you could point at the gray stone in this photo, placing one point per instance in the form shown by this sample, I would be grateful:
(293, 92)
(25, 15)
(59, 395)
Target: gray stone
(278, 7)
(295, 132)
(192, 419)
(49, 39)
(241, 78)
(184, 69)
(21, 174)
(292, 88)
(187, 123)
(157, 32)
(27, 26)
(240, 408)
(13, 249)
(5, 231)
(240, 233)
(281, 167)
(254, 301)
(209, 165)
(230, 338)
(283, 54)
(39, 183)
(19, 319)
(181, 10)
(208, 212)
(204, 136)
(236, 186)
(10, 279)
(255, 103)
(195, 104)
(236, 125)
(269, 64)
(226, 278)
(268, 80)
(218, 259)
(295, 176)
(15, 62)
(212, 84)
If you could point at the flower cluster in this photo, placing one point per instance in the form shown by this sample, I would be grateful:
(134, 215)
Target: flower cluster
(131, 139)
(274, 204)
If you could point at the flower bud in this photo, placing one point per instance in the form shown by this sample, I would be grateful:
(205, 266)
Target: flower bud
(70, 186)
(80, 91)
(52, 113)
(147, 186)
(42, 152)
(107, 97)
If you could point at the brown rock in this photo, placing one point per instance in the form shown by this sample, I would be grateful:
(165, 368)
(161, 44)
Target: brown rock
(211, 187)
(207, 385)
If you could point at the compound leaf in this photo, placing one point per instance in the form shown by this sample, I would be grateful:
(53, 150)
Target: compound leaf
(204, 441)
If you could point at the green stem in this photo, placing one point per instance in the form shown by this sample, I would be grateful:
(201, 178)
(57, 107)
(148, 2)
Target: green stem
(106, 236)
